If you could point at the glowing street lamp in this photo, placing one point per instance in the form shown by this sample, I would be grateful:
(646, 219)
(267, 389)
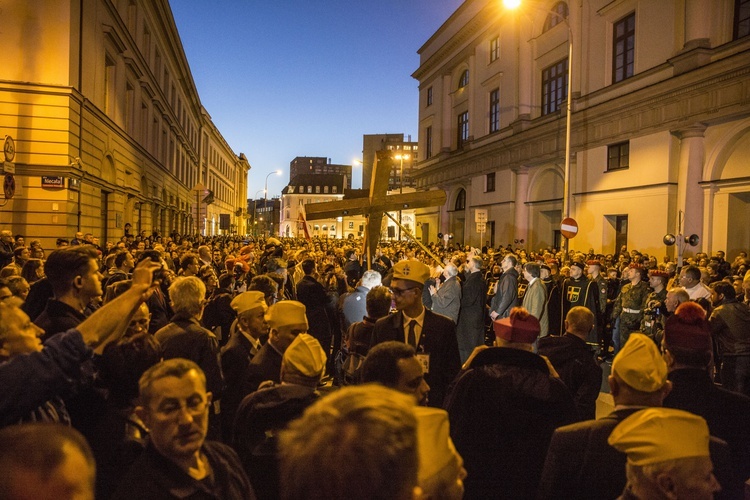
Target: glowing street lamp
(265, 194)
(513, 4)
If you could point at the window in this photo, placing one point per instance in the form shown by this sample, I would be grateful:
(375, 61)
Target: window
(464, 80)
(428, 141)
(495, 110)
(309, 189)
(558, 14)
(618, 156)
(317, 189)
(463, 129)
(490, 182)
(554, 86)
(460, 200)
(429, 96)
(495, 49)
(335, 189)
(623, 50)
(109, 86)
(741, 18)
(325, 189)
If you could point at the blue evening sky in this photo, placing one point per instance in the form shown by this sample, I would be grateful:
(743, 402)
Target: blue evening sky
(287, 78)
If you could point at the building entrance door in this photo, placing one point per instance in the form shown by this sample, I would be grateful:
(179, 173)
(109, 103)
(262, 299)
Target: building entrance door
(621, 232)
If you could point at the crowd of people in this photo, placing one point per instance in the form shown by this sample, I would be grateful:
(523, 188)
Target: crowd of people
(224, 367)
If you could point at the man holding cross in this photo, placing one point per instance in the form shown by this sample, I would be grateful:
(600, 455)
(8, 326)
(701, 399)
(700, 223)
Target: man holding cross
(433, 336)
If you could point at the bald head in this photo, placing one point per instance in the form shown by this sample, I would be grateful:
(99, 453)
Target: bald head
(579, 321)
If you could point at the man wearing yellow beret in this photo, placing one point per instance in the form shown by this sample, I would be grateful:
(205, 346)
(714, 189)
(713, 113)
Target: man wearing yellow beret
(242, 346)
(432, 335)
(668, 455)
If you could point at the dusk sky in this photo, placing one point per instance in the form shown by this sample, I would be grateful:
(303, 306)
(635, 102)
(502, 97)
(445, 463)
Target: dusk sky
(287, 78)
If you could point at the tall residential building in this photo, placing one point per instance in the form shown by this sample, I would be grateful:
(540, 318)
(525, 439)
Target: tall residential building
(386, 147)
(319, 165)
(108, 126)
(659, 132)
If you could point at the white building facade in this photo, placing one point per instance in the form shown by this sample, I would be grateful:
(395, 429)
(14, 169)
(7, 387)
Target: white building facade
(660, 122)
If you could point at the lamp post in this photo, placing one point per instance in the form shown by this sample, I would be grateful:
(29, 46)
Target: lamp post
(401, 157)
(255, 213)
(513, 4)
(265, 194)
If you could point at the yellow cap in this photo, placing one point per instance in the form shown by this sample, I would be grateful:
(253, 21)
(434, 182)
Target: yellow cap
(656, 435)
(411, 270)
(305, 357)
(247, 301)
(640, 365)
(287, 313)
(439, 462)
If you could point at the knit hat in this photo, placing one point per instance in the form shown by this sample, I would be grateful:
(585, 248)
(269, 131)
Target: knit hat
(411, 270)
(520, 327)
(287, 313)
(687, 328)
(640, 365)
(305, 357)
(657, 435)
(247, 301)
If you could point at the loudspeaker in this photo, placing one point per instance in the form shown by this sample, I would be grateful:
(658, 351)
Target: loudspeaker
(669, 239)
(692, 240)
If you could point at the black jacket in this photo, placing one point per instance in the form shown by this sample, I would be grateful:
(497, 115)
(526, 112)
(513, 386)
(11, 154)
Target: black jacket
(574, 362)
(503, 410)
(726, 412)
(439, 342)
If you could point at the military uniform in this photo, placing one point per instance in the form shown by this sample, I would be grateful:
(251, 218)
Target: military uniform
(601, 321)
(652, 324)
(629, 308)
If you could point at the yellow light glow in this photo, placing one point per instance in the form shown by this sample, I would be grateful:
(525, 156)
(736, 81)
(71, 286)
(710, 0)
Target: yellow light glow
(511, 4)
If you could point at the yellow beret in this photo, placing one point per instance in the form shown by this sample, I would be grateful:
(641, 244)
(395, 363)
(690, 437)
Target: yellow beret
(287, 313)
(247, 301)
(411, 270)
(640, 365)
(656, 435)
(305, 356)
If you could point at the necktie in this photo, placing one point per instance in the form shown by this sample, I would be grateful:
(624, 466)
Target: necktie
(412, 338)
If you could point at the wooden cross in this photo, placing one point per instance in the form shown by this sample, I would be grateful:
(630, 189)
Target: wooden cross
(375, 206)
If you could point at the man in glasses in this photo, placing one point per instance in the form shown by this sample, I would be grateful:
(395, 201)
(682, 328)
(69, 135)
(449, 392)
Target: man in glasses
(174, 406)
(432, 335)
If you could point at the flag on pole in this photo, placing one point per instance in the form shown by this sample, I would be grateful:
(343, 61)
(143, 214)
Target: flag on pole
(301, 219)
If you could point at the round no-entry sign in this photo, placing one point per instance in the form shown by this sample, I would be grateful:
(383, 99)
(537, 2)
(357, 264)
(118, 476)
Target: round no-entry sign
(569, 227)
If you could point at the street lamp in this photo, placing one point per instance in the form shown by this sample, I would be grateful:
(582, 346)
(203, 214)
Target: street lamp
(513, 4)
(255, 213)
(401, 157)
(265, 193)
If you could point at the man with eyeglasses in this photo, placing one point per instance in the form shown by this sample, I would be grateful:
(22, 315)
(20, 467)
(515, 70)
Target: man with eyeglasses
(432, 335)
(179, 461)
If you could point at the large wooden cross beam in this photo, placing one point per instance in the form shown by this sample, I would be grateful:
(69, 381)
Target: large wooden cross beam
(375, 206)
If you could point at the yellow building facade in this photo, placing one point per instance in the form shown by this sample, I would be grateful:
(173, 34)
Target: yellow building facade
(659, 131)
(108, 126)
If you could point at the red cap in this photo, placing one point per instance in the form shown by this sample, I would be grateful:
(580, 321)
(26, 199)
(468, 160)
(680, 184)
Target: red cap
(635, 266)
(520, 327)
(660, 274)
(687, 328)
(593, 262)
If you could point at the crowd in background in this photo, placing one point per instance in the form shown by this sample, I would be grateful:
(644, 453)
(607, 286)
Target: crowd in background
(255, 334)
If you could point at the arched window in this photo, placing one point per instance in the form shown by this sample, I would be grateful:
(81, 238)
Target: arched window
(464, 80)
(461, 200)
(558, 15)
